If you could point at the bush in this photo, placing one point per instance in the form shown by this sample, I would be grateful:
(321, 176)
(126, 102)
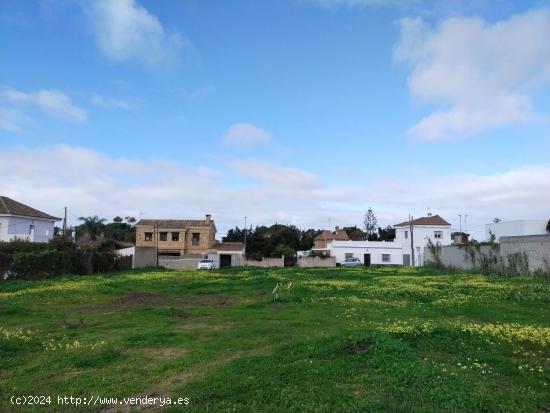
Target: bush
(28, 260)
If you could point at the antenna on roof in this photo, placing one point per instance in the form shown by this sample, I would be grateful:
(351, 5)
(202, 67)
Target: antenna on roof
(428, 211)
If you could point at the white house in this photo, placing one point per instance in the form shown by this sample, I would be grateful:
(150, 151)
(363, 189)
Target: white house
(432, 227)
(369, 252)
(515, 228)
(19, 221)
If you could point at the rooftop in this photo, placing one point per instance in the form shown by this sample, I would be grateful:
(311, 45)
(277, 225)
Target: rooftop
(432, 220)
(9, 206)
(338, 234)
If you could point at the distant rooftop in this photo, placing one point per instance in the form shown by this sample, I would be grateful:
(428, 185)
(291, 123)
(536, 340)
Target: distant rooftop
(9, 206)
(429, 220)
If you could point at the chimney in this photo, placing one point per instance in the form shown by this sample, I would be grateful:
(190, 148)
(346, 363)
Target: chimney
(208, 217)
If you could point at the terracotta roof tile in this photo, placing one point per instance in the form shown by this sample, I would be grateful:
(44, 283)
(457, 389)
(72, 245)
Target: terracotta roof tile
(338, 235)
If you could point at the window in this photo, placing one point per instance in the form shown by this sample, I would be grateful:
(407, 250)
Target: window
(148, 236)
(438, 234)
(196, 238)
(175, 236)
(163, 236)
(348, 256)
(386, 258)
(406, 234)
(31, 229)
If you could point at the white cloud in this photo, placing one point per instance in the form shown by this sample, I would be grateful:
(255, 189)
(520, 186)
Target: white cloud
(52, 102)
(93, 183)
(480, 72)
(110, 103)
(245, 134)
(125, 30)
(12, 119)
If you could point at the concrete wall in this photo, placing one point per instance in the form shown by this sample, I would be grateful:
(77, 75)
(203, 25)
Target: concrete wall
(266, 262)
(536, 247)
(180, 264)
(459, 256)
(145, 257)
(316, 262)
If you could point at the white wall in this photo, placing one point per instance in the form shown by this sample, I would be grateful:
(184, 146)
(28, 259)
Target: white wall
(339, 249)
(421, 235)
(516, 228)
(12, 227)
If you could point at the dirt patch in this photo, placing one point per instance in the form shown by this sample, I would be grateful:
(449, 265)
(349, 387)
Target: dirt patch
(144, 299)
(210, 300)
(162, 354)
(167, 386)
(359, 346)
(135, 300)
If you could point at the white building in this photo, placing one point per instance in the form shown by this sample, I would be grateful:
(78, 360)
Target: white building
(369, 252)
(515, 228)
(432, 227)
(19, 221)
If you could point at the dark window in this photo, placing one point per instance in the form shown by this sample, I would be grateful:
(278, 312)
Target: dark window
(386, 258)
(348, 256)
(196, 238)
(175, 236)
(31, 229)
(148, 236)
(406, 234)
(438, 234)
(163, 236)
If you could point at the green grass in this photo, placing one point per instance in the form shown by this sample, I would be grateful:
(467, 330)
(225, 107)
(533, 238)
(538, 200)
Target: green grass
(337, 340)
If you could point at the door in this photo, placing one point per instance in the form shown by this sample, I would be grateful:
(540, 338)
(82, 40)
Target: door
(406, 259)
(366, 260)
(225, 260)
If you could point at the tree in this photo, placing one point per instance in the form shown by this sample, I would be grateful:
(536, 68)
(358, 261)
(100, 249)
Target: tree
(93, 226)
(386, 234)
(370, 225)
(130, 220)
(548, 226)
(117, 220)
(354, 233)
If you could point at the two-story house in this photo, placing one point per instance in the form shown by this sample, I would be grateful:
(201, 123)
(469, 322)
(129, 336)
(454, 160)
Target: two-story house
(177, 237)
(183, 238)
(431, 228)
(20, 221)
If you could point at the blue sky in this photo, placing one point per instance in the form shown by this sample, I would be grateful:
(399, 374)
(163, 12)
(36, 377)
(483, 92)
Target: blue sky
(291, 111)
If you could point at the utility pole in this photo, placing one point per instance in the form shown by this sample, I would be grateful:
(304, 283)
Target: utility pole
(155, 234)
(412, 238)
(465, 226)
(65, 224)
(245, 238)
(460, 225)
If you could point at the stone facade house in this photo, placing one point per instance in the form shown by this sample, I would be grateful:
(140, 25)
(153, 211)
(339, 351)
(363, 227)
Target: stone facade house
(183, 239)
(177, 237)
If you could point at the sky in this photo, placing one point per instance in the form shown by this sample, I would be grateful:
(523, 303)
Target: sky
(303, 112)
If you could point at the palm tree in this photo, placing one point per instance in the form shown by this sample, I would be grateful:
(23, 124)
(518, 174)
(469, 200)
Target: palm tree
(93, 226)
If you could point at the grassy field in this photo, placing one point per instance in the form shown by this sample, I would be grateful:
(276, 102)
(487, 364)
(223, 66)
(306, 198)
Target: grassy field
(332, 340)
